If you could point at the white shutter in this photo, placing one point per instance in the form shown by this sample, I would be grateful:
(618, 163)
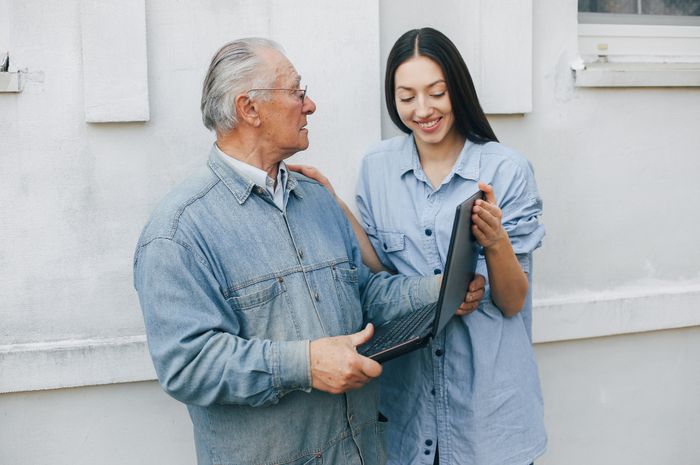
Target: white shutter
(115, 78)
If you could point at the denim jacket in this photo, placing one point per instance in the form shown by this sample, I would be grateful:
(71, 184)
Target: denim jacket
(232, 290)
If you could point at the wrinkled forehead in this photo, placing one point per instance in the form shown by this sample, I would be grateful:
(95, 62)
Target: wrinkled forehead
(281, 68)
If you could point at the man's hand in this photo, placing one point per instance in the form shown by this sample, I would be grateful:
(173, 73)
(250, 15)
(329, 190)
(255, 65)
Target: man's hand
(474, 295)
(336, 367)
(315, 174)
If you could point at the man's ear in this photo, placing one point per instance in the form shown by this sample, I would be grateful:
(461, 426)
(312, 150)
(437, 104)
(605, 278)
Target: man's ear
(247, 110)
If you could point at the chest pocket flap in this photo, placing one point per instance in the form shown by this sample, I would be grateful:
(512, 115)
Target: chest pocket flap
(391, 241)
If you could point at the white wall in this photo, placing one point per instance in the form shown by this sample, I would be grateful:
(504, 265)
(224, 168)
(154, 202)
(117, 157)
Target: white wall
(77, 194)
(615, 167)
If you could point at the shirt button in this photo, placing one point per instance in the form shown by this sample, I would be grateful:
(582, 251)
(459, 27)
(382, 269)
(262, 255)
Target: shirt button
(317, 297)
(428, 232)
(438, 353)
(437, 271)
(429, 442)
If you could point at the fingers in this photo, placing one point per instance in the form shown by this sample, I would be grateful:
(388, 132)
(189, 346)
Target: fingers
(370, 368)
(488, 192)
(360, 337)
(473, 297)
(308, 171)
(477, 283)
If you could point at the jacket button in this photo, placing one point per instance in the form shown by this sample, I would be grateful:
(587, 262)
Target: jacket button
(301, 253)
(437, 271)
(438, 353)
(428, 232)
(280, 279)
(317, 297)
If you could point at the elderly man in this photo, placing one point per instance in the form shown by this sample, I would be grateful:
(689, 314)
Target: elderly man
(252, 287)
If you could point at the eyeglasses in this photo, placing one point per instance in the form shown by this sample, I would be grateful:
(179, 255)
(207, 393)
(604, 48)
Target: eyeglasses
(301, 93)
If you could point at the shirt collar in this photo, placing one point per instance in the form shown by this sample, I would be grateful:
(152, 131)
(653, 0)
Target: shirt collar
(467, 165)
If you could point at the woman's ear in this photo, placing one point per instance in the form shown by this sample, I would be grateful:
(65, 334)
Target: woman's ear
(247, 110)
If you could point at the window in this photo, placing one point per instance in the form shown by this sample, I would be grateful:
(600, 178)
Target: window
(640, 11)
(639, 43)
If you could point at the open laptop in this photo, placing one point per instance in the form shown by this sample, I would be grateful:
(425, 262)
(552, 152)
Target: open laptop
(414, 330)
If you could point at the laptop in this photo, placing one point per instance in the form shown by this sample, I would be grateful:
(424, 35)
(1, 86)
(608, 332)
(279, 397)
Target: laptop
(414, 330)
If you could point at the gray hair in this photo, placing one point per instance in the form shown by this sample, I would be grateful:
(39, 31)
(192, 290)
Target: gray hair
(234, 69)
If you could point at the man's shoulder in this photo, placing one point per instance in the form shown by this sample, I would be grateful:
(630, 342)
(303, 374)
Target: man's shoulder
(165, 220)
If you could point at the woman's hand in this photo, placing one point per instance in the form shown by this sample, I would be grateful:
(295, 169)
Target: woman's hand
(315, 174)
(369, 256)
(486, 220)
(507, 280)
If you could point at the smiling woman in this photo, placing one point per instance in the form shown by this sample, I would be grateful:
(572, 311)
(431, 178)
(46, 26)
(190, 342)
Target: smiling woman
(475, 395)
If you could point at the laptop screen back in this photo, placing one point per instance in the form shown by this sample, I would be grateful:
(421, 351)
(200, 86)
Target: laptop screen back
(462, 256)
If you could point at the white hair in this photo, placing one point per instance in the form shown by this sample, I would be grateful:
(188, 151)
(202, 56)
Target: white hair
(234, 69)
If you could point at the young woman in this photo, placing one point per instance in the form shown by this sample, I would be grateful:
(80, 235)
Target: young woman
(473, 396)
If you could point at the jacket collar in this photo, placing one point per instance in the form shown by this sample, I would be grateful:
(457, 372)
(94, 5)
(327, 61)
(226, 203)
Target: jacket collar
(241, 186)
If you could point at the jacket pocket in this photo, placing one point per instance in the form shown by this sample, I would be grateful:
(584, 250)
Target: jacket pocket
(262, 311)
(253, 299)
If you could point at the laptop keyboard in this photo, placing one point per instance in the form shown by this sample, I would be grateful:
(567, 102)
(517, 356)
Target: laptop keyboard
(400, 330)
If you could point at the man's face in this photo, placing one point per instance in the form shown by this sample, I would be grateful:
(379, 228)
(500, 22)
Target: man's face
(283, 116)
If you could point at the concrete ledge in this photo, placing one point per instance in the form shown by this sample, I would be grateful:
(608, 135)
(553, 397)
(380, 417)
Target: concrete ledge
(639, 75)
(620, 312)
(63, 364)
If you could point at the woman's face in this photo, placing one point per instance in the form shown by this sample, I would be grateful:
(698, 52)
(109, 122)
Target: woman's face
(422, 100)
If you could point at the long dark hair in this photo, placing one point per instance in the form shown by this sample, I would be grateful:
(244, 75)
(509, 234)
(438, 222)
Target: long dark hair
(470, 120)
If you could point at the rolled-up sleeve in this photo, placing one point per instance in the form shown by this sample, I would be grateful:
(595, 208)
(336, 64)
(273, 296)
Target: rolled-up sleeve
(197, 354)
(522, 206)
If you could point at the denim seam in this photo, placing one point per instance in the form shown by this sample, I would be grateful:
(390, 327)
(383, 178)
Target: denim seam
(202, 261)
(287, 272)
(193, 199)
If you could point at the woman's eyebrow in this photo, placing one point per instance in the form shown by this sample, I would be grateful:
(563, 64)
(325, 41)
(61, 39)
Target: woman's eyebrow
(429, 85)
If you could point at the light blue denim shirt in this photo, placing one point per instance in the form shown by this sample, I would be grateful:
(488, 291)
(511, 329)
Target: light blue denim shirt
(475, 390)
(232, 290)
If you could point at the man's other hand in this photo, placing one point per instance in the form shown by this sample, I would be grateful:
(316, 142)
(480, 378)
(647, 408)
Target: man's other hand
(336, 367)
(474, 295)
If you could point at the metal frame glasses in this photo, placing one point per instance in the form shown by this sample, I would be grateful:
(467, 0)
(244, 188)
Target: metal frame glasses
(301, 97)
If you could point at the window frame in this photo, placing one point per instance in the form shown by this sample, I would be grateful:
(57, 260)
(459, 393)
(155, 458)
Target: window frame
(625, 51)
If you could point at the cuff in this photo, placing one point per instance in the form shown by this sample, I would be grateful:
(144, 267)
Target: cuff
(425, 291)
(524, 260)
(291, 368)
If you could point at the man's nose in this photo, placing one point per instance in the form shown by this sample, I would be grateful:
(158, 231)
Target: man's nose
(309, 106)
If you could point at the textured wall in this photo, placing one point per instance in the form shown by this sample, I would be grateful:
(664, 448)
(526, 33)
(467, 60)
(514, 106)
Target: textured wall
(77, 194)
(616, 169)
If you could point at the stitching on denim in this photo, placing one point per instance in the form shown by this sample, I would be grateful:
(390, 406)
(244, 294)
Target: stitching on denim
(182, 244)
(286, 272)
(181, 210)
